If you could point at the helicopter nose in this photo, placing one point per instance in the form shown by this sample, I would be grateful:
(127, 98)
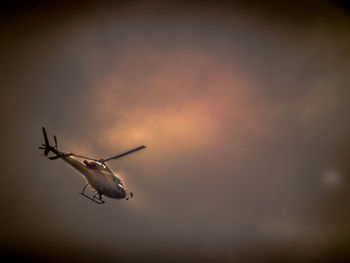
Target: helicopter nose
(122, 193)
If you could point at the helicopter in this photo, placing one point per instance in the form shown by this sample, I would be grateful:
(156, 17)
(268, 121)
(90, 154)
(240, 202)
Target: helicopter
(98, 176)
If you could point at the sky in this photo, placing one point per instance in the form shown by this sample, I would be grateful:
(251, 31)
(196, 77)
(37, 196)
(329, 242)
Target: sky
(244, 109)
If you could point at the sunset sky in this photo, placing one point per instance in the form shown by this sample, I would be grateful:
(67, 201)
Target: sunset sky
(244, 109)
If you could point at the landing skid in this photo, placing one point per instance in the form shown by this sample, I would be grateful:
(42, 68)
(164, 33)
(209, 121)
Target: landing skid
(97, 200)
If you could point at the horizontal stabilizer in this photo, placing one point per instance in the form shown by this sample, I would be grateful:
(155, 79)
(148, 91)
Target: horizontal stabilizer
(54, 157)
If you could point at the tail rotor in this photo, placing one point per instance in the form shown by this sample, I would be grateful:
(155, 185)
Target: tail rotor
(41, 147)
(47, 147)
(47, 144)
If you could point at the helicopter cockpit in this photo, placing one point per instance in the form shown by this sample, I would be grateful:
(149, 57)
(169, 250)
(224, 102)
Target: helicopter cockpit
(90, 164)
(97, 166)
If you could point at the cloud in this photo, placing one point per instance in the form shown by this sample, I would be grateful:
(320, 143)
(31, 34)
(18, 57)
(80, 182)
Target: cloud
(240, 116)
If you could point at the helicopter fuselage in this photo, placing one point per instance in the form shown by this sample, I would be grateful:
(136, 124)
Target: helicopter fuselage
(98, 176)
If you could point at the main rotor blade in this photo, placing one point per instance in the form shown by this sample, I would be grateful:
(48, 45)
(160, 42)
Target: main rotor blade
(123, 154)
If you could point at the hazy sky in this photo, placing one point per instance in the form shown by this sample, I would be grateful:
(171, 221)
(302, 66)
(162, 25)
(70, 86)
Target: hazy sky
(244, 109)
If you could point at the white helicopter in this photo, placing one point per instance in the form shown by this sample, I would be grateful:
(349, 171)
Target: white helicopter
(98, 176)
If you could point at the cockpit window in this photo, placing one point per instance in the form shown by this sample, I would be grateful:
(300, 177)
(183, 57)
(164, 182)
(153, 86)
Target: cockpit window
(117, 180)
